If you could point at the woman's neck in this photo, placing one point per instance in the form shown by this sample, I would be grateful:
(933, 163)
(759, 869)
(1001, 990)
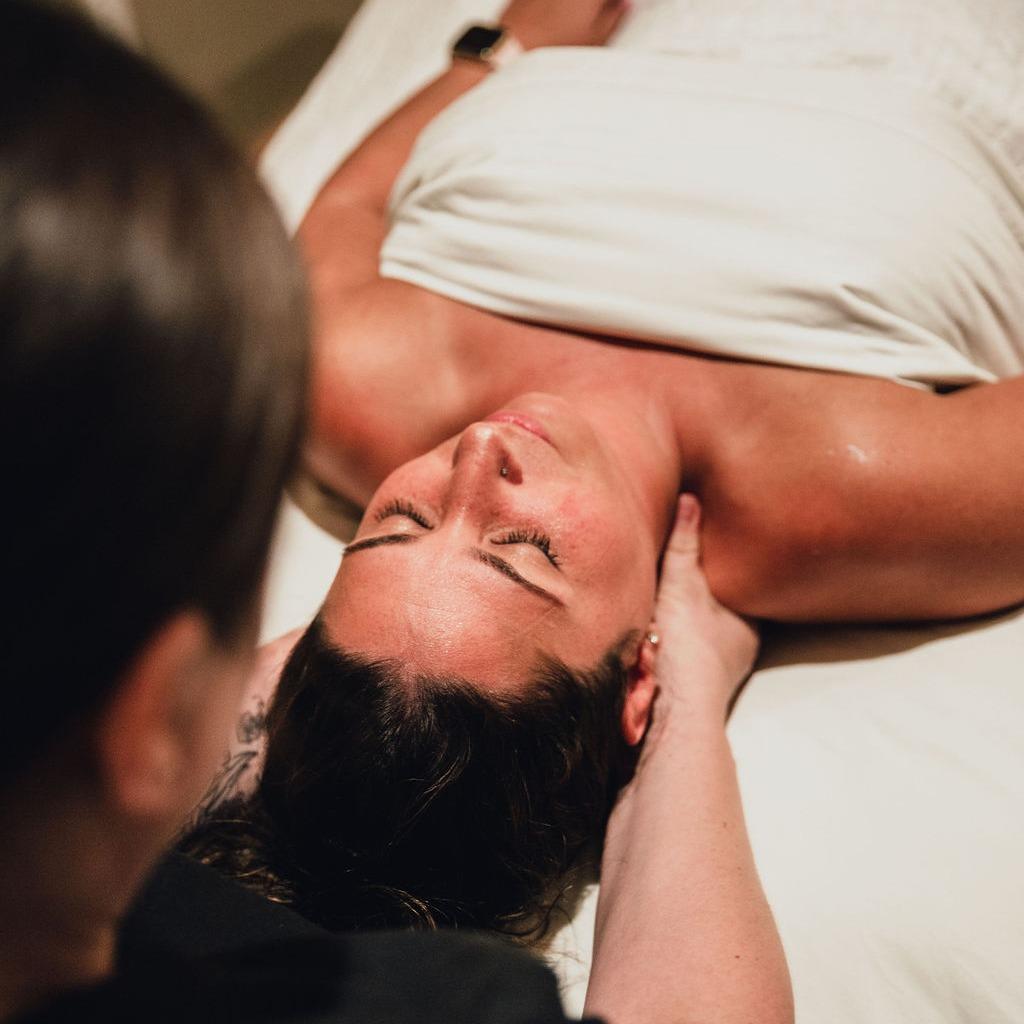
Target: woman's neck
(659, 404)
(651, 408)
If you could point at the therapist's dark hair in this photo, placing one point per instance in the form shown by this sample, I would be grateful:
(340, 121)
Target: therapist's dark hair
(152, 369)
(390, 800)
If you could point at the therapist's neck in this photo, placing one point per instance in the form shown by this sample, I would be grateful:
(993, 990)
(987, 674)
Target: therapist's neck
(66, 879)
(48, 949)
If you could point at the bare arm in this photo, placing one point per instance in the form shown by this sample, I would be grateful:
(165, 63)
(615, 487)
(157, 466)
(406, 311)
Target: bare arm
(352, 205)
(684, 933)
(387, 337)
(343, 230)
(371, 335)
(859, 500)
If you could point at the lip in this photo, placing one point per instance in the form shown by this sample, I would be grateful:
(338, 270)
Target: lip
(521, 421)
(524, 422)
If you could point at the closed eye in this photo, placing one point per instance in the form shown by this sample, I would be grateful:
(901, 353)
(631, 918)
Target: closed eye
(404, 509)
(398, 507)
(536, 538)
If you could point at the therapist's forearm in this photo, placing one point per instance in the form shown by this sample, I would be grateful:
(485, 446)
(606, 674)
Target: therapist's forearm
(684, 933)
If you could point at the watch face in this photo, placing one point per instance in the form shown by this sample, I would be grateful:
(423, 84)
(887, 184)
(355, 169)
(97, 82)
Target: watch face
(478, 41)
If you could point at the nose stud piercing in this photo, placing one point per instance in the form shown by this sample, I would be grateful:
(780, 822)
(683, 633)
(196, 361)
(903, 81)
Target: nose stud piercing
(503, 471)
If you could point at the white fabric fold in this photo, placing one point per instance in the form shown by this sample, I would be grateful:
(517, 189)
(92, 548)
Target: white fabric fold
(808, 217)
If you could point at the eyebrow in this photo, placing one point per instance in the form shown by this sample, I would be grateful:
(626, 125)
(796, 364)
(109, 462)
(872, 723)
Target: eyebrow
(379, 542)
(491, 559)
(487, 557)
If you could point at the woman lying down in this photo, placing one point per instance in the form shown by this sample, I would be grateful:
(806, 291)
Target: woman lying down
(606, 276)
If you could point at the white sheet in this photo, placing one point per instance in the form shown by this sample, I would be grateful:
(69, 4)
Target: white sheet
(882, 770)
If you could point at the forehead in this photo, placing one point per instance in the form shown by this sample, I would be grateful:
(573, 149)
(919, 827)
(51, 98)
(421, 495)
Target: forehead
(454, 615)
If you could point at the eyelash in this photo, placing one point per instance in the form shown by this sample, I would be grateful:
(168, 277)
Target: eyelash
(402, 508)
(539, 540)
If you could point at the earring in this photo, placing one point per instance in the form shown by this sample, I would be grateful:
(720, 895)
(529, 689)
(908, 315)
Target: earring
(653, 639)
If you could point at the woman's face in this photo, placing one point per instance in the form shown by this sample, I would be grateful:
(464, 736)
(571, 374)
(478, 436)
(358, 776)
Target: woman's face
(520, 537)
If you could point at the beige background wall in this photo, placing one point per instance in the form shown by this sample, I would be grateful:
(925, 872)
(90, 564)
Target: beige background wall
(248, 59)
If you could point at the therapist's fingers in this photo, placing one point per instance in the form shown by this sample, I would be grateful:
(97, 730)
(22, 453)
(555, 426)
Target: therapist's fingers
(682, 581)
(704, 650)
(682, 552)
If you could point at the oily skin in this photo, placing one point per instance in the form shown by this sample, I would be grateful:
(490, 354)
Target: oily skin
(456, 587)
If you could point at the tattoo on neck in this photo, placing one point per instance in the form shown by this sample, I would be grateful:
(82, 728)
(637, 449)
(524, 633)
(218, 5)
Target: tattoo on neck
(251, 729)
(252, 725)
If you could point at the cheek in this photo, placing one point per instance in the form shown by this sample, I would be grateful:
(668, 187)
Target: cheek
(612, 558)
(602, 537)
(416, 479)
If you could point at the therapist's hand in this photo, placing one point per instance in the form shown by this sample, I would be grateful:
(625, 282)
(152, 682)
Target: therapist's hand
(683, 930)
(704, 650)
(564, 22)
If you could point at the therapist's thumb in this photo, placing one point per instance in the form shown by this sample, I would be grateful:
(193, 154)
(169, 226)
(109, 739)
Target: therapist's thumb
(682, 553)
(681, 584)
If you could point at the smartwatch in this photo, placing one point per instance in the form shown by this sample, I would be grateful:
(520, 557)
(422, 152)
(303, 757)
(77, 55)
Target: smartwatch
(487, 44)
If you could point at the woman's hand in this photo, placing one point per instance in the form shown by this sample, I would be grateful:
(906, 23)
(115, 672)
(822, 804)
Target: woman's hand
(704, 651)
(563, 22)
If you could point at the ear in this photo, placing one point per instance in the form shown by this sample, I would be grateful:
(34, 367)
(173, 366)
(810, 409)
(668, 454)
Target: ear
(640, 690)
(141, 741)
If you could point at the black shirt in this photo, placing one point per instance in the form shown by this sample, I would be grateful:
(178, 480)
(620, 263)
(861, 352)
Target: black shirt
(197, 947)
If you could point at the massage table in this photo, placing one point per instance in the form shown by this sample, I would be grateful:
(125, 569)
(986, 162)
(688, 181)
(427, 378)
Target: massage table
(882, 769)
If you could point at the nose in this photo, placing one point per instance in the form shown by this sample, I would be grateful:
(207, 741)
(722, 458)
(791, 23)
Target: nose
(482, 462)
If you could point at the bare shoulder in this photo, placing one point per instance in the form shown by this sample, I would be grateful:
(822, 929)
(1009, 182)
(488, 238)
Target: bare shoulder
(393, 377)
(815, 484)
